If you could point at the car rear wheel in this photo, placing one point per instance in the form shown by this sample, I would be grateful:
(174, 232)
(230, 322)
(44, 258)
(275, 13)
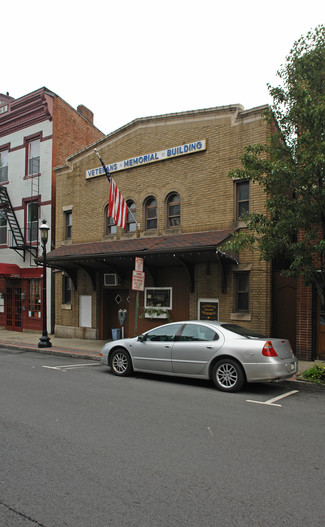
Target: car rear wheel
(121, 362)
(228, 375)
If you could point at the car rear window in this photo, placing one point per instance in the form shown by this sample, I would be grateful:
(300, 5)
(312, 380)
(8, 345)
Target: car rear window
(243, 332)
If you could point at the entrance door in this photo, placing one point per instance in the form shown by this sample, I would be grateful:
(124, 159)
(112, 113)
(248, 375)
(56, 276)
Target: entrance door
(113, 300)
(14, 309)
(320, 331)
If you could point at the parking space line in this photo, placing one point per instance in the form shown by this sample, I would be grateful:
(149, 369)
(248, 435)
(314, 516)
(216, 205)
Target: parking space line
(271, 402)
(70, 366)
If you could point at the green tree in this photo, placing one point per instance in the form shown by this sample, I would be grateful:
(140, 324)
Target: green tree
(290, 168)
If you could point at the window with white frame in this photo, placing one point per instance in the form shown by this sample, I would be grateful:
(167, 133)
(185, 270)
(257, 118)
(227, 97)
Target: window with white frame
(3, 166)
(32, 221)
(34, 148)
(158, 297)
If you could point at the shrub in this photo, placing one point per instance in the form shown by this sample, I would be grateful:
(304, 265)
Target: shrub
(315, 374)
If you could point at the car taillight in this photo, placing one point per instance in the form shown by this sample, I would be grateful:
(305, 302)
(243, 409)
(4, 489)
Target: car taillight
(268, 350)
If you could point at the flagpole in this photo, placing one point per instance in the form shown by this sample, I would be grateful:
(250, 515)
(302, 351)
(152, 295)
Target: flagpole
(109, 180)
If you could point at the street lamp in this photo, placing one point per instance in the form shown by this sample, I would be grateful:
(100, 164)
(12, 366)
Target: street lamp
(44, 341)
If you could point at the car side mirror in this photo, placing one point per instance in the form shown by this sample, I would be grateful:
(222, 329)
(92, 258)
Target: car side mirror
(142, 338)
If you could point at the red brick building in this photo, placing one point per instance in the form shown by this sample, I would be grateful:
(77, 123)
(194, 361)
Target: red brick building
(37, 132)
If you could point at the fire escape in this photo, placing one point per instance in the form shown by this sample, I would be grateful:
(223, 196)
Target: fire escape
(16, 239)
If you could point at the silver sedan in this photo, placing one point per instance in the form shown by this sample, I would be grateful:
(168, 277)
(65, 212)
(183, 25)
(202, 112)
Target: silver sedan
(227, 354)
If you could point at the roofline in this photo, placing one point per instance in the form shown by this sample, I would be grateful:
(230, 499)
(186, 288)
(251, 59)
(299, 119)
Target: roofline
(237, 109)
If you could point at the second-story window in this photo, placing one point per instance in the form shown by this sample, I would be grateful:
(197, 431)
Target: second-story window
(131, 224)
(3, 166)
(3, 228)
(151, 213)
(32, 221)
(242, 199)
(68, 224)
(173, 210)
(34, 148)
(110, 227)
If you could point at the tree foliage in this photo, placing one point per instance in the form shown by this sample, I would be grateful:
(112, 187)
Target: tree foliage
(290, 168)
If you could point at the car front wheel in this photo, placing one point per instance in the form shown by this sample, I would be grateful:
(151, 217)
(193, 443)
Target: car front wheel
(121, 362)
(228, 375)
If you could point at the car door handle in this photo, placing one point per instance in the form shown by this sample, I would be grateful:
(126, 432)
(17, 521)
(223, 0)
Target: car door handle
(210, 347)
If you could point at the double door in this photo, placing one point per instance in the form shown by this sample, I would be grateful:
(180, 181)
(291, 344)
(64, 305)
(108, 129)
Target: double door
(14, 307)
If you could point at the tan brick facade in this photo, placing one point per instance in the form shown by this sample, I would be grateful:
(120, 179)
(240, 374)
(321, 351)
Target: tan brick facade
(207, 197)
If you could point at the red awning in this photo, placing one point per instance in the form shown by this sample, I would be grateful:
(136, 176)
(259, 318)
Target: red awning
(14, 271)
(10, 270)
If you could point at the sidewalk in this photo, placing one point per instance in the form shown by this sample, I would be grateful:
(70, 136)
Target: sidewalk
(80, 348)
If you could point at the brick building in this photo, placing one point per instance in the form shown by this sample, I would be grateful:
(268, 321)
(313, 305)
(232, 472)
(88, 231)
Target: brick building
(37, 132)
(173, 172)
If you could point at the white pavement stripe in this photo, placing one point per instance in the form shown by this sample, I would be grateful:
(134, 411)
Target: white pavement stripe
(71, 366)
(271, 402)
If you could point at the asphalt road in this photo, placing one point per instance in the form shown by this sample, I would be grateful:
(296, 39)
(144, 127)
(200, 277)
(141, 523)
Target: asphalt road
(82, 448)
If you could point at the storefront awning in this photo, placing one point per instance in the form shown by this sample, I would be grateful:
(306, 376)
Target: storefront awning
(159, 251)
(14, 271)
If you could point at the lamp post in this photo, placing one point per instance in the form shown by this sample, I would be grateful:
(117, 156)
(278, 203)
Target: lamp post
(44, 341)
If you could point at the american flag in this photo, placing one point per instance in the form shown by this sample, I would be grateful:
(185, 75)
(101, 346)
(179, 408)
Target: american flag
(117, 207)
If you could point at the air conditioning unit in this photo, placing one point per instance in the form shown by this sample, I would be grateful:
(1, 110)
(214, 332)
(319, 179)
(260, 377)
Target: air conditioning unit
(111, 279)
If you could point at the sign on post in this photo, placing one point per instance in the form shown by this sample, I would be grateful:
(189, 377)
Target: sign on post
(138, 281)
(138, 264)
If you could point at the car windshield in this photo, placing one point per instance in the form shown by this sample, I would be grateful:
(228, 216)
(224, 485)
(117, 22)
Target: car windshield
(243, 332)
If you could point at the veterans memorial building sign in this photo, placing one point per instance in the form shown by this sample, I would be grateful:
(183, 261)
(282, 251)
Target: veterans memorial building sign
(176, 151)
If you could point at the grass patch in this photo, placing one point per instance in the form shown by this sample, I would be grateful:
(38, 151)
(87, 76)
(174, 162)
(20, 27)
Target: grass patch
(315, 374)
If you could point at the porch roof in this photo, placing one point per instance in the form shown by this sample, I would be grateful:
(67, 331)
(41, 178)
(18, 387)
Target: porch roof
(117, 256)
(188, 244)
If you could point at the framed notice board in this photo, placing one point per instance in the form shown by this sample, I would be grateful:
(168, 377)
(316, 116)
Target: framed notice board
(208, 309)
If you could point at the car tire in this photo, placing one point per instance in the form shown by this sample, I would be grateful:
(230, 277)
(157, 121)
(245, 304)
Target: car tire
(228, 375)
(120, 362)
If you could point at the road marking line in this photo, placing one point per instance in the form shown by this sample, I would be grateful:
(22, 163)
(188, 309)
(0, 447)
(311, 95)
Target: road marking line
(270, 402)
(70, 366)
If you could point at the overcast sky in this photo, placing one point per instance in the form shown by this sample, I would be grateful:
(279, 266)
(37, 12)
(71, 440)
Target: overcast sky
(125, 59)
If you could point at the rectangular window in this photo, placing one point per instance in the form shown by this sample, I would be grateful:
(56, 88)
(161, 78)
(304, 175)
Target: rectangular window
(158, 297)
(34, 298)
(34, 148)
(66, 289)
(242, 292)
(3, 166)
(242, 199)
(68, 225)
(32, 222)
(3, 228)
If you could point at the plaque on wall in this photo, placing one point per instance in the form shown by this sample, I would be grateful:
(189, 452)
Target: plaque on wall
(208, 309)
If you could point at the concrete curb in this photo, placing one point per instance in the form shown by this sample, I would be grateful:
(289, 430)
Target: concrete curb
(80, 354)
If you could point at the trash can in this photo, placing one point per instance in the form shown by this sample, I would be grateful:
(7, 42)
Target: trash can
(116, 333)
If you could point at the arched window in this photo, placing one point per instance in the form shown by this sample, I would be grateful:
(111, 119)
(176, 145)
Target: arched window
(110, 227)
(131, 223)
(151, 213)
(173, 210)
